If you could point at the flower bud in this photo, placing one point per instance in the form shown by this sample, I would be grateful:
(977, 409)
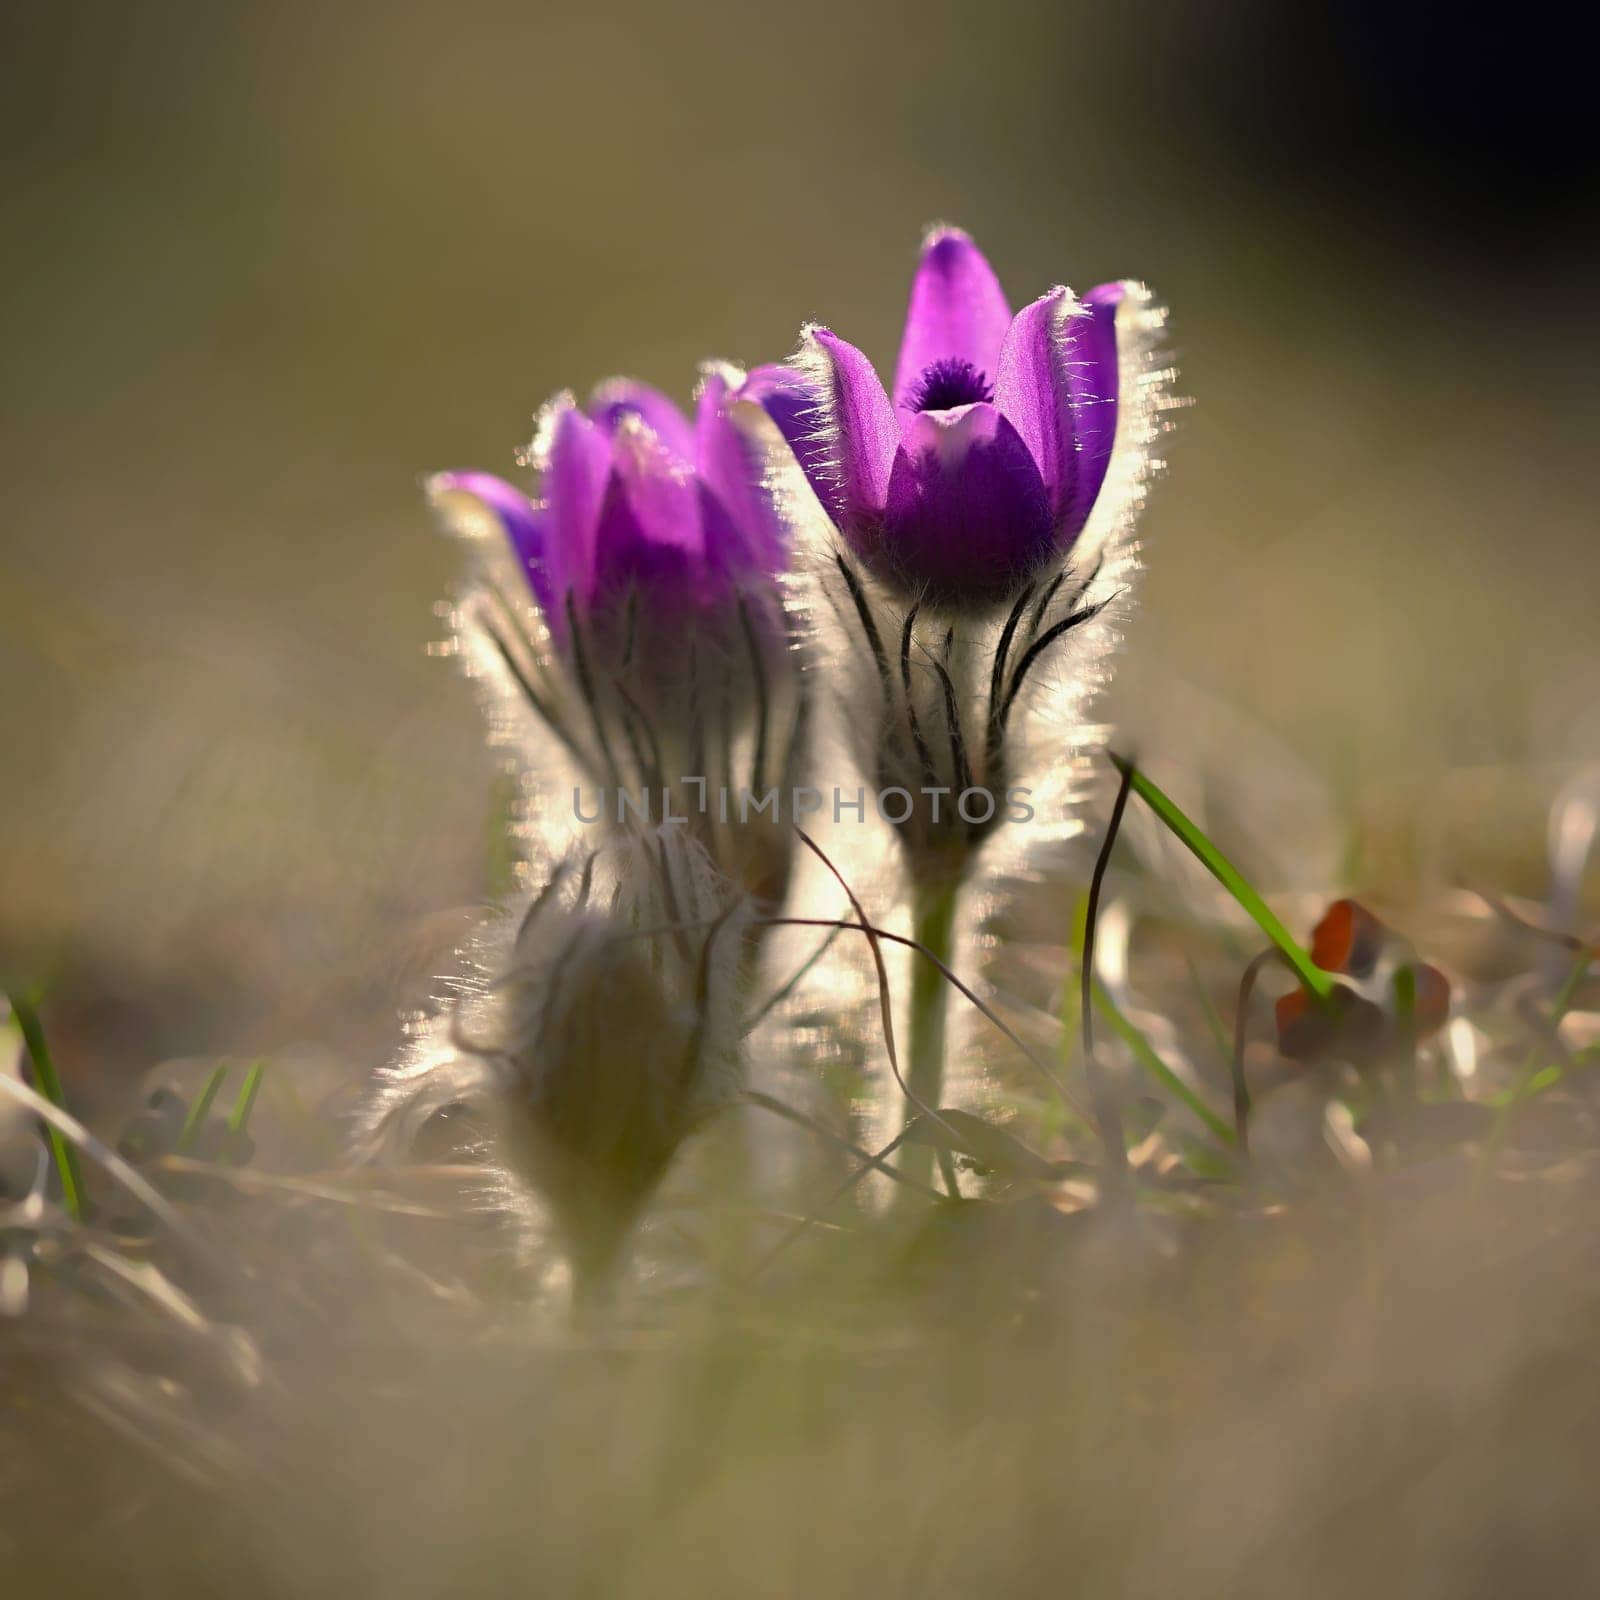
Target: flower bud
(618, 1032)
(604, 1033)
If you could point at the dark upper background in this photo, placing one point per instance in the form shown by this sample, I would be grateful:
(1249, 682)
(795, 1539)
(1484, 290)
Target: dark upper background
(265, 264)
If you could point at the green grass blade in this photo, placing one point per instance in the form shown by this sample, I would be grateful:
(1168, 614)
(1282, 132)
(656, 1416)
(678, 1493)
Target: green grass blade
(201, 1108)
(239, 1119)
(1231, 879)
(61, 1150)
(1144, 1053)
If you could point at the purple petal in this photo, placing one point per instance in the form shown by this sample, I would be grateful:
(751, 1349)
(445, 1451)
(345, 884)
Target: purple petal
(857, 430)
(518, 519)
(619, 398)
(717, 382)
(958, 312)
(577, 465)
(650, 531)
(1091, 363)
(967, 518)
(1031, 389)
(1057, 385)
(785, 397)
(744, 534)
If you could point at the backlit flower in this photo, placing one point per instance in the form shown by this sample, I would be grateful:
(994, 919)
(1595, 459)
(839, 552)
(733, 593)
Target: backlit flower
(636, 505)
(969, 531)
(987, 461)
(630, 604)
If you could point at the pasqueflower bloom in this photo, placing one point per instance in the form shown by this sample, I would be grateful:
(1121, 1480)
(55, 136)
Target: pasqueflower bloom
(636, 505)
(988, 460)
(968, 534)
(975, 526)
(655, 649)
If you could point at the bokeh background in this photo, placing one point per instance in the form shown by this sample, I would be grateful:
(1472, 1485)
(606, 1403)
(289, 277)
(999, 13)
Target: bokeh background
(266, 264)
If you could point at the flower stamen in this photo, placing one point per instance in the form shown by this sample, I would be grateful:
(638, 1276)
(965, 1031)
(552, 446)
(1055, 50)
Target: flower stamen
(948, 383)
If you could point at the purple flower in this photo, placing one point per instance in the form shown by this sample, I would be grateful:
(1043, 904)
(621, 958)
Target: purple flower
(634, 496)
(651, 549)
(988, 461)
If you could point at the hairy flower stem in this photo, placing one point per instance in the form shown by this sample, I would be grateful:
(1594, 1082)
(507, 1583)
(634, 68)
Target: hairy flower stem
(933, 913)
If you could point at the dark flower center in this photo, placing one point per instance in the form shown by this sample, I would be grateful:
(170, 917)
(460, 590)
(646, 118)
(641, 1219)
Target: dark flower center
(948, 383)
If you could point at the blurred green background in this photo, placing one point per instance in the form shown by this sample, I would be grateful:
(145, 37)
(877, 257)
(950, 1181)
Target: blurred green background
(267, 264)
